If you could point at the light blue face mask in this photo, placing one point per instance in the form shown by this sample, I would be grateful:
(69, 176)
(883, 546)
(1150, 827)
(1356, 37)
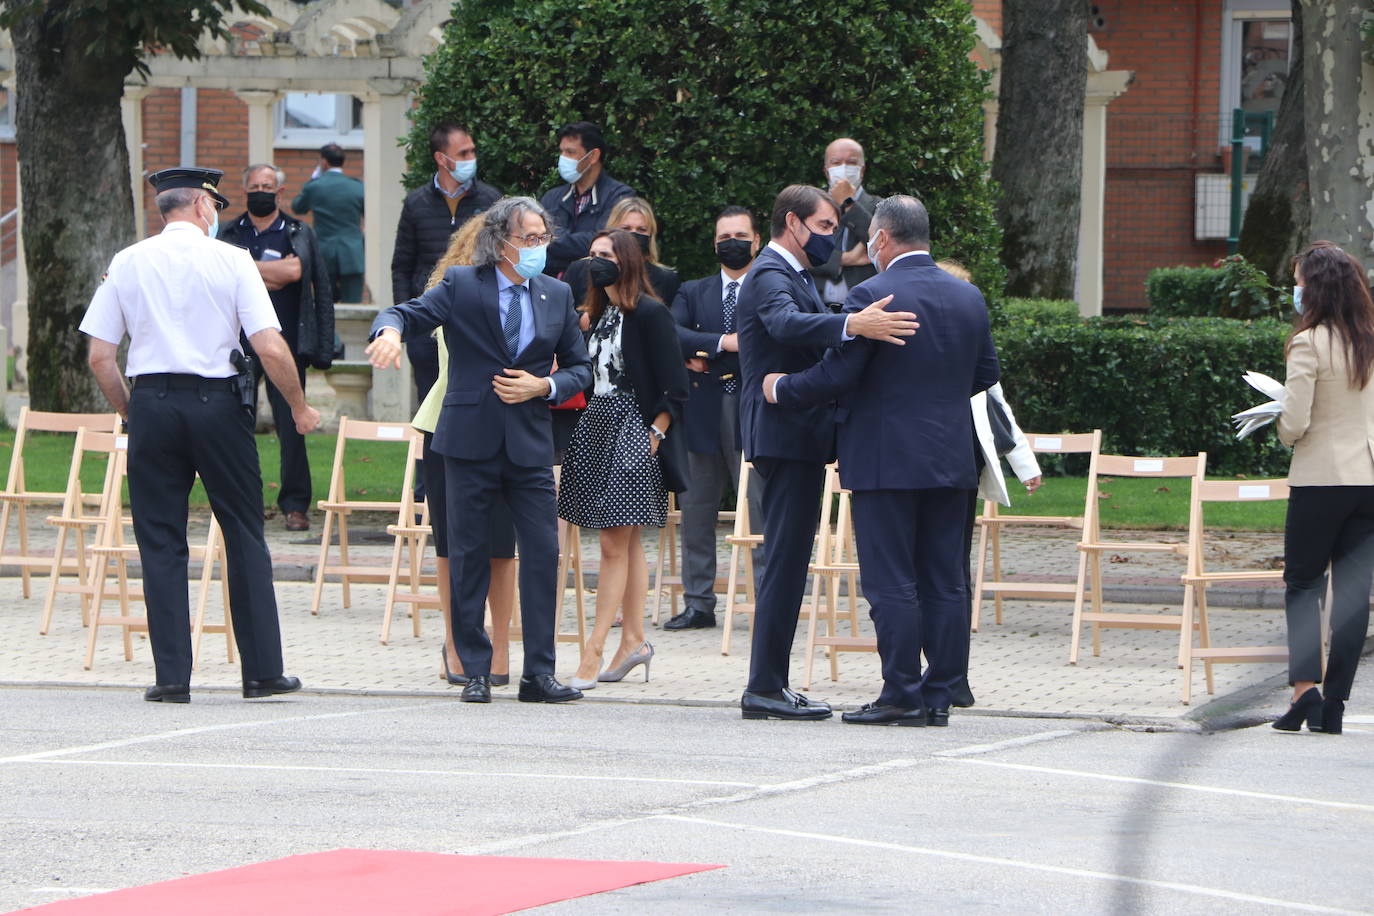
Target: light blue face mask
(1297, 299)
(873, 258)
(531, 263)
(463, 169)
(567, 168)
(213, 231)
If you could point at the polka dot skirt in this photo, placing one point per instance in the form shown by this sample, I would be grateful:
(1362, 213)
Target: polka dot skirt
(610, 476)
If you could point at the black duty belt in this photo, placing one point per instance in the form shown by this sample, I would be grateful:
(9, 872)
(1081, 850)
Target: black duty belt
(179, 381)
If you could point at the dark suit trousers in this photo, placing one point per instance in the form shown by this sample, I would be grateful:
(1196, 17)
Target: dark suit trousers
(472, 489)
(913, 576)
(173, 434)
(295, 493)
(791, 508)
(1328, 525)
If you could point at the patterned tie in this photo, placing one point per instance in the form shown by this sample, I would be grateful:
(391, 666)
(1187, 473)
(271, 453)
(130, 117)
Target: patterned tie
(731, 385)
(511, 326)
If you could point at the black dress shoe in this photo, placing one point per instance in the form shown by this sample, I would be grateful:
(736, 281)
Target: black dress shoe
(874, 714)
(283, 684)
(478, 689)
(960, 696)
(937, 715)
(168, 693)
(692, 619)
(1307, 708)
(500, 680)
(785, 704)
(544, 688)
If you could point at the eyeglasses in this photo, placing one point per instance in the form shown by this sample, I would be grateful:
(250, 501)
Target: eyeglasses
(532, 241)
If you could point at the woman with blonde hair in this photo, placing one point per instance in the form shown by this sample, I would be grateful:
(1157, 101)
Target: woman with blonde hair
(501, 592)
(636, 216)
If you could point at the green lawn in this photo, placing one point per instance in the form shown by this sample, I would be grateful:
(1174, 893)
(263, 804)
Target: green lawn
(373, 470)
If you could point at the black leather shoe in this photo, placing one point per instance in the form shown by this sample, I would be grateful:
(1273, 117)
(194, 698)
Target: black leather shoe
(544, 688)
(283, 684)
(785, 704)
(937, 715)
(478, 689)
(874, 714)
(960, 696)
(500, 680)
(692, 619)
(1307, 708)
(168, 693)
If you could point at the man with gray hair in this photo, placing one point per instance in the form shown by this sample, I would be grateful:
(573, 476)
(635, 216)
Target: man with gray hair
(911, 493)
(505, 324)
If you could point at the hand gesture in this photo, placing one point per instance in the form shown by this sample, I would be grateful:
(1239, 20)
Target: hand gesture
(841, 191)
(877, 324)
(697, 364)
(518, 386)
(770, 386)
(1033, 484)
(385, 351)
(729, 343)
(307, 419)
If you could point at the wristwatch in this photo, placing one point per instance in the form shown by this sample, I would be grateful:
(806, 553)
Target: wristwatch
(657, 433)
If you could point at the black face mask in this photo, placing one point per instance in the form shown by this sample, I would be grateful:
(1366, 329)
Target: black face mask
(643, 241)
(734, 253)
(261, 203)
(603, 272)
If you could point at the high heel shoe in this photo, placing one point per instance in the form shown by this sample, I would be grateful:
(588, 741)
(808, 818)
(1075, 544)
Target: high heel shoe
(640, 657)
(1306, 707)
(580, 684)
(1333, 711)
(449, 676)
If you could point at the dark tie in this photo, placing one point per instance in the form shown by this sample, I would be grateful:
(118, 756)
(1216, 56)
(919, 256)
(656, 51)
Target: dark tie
(810, 285)
(728, 309)
(511, 326)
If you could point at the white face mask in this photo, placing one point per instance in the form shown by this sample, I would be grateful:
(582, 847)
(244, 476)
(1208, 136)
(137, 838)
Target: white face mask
(1297, 299)
(838, 173)
(873, 255)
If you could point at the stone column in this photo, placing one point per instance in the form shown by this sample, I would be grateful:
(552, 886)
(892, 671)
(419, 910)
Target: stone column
(131, 108)
(385, 108)
(1102, 88)
(261, 122)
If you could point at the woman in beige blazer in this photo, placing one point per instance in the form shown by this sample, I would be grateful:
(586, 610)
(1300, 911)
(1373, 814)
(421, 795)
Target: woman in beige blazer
(1328, 419)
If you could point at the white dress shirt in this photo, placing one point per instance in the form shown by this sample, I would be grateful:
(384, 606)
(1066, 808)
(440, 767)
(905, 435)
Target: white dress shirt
(725, 281)
(503, 287)
(182, 298)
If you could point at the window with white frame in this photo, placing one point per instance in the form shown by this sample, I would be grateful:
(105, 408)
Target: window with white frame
(1257, 46)
(311, 119)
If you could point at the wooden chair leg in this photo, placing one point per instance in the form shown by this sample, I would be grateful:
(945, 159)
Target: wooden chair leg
(832, 608)
(663, 547)
(1078, 597)
(417, 562)
(1185, 644)
(98, 573)
(1097, 601)
(54, 580)
(323, 562)
(812, 613)
(23, 510)
(981, 555)
(392, 581)
(125, 611)
(1205, 637)
(730, 593)
(344, 559)
(997, 572)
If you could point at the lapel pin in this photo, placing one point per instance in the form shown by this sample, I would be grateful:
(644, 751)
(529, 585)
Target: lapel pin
(542, 296)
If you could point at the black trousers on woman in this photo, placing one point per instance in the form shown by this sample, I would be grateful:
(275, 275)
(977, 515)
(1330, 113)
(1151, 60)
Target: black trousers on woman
(1332, 525)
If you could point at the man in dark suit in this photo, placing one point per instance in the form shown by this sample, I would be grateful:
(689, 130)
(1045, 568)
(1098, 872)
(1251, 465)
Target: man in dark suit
(705, 313)
(580, 206)
(337, 201)
(504, 324)
(783, 325)
(906, 452)
(848, 265)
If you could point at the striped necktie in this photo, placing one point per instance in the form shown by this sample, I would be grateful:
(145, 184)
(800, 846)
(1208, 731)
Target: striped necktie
(511, 325)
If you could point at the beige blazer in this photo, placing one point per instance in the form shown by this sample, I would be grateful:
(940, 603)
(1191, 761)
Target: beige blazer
(1329, 424)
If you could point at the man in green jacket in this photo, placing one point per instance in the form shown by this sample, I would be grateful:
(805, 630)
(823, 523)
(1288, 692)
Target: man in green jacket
(337, 200)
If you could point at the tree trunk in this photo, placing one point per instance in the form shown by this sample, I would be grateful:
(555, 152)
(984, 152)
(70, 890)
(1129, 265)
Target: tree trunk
(78, 207)
(1339, 113)
(1278, 219)
(1038, 161)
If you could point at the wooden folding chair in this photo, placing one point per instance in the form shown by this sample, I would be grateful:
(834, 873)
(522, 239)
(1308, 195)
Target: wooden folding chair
(742, 541)
(1092, 546)
(338, 508)
(992, 522)
(1198, 578)
(409, 546)
(836, 561)
(74, 521)
(17, 497)
(569, 562)
(668, 555)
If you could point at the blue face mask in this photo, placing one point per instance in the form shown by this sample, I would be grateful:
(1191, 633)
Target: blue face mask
(463, 170)
(531, 263)
(1297, 299)
(567, 168)
(214, 223)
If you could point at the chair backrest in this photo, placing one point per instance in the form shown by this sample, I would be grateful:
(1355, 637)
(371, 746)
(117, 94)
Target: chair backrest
(369, 431)
(91, 442)
(1065, 443)
(405, 517)
(1193, 467)
(1224, 491)
(50, 422)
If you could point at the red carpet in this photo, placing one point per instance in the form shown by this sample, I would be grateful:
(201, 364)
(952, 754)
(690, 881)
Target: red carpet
(360, 882)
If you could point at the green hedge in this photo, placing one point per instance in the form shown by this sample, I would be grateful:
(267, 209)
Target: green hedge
(1036, 311)
(1231, 288)
(1154, 387)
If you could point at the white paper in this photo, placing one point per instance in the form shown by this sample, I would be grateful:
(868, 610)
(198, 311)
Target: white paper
(1048, 442)
(1265, 385)
(122, 443)
(1253, 491)
(1146, 465)
(391, 432)
(1247, 421)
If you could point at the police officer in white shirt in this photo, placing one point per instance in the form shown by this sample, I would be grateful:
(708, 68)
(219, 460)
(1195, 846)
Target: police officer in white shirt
(182, 297)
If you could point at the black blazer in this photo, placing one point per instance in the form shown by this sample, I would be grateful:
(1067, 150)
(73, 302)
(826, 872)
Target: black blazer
(649, 347)
(700, 323)
(573, 236)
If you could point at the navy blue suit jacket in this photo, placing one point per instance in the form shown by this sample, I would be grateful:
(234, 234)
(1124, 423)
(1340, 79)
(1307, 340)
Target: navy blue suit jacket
(904, 420)
(474, 424)
(573, 236)
(700, 318)
(783, 327)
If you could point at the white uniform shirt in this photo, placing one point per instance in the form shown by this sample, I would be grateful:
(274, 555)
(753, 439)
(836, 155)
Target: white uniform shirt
(182, 298)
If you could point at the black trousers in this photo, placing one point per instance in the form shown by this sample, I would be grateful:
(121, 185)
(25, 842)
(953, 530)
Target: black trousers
(423, 353)
(971, 523)
(791, 509)
(173, 435)
(295, 493)
(1332, 525)
(909, 555)
(472, 489)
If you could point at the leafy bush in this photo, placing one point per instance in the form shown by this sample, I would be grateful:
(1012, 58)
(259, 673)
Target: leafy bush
(1162, 387)
(1035, 311)
(1230, 288)
(714, 102)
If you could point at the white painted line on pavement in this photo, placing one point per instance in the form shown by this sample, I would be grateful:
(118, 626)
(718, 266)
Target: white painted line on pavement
(385, 771)
(976, 749)
(204, 729)
(1017, 863)
(530, 839)
(70, 890)
(1141, 781)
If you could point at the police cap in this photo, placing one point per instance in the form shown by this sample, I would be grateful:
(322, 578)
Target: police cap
(206, 180)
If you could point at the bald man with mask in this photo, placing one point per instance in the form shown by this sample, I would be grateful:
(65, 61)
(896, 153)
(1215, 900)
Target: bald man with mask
(848, 265)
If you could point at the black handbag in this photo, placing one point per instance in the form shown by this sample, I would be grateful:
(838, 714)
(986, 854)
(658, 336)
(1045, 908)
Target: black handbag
(1003, 439)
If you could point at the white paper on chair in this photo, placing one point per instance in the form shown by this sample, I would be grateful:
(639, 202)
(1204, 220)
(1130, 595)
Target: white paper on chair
(1247, 421)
